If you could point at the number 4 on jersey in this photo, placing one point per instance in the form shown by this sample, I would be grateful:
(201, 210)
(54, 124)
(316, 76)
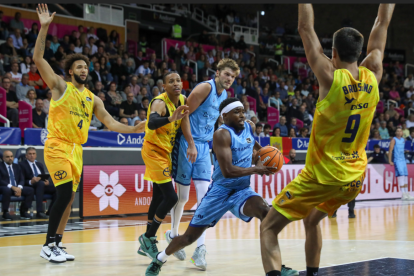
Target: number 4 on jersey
(80, 124)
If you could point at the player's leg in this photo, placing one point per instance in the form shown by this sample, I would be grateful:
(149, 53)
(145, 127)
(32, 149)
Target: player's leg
(351, 209)
(155, 202)
(313, 243)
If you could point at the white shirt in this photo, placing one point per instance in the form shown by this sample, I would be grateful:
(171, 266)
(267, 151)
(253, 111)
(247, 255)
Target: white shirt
(408, 83)
(94, 49)
(78, 49)
(31, 166)
(409, 124)
(17, 77)
(11, 167)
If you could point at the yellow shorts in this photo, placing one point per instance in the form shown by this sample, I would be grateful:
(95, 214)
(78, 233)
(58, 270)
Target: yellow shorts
(303, 194)
(63, 161)
(157, 164)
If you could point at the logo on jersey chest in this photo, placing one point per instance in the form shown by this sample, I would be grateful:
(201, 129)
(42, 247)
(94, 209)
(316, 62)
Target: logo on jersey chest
(359, 106)
(248, 140)
(88, 99)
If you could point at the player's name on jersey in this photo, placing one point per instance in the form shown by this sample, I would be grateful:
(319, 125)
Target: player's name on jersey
(352, 88)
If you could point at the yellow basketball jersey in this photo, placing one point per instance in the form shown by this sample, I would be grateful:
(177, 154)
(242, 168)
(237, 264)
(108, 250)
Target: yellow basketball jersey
(70, 116)
(163, 137)
(341, 126)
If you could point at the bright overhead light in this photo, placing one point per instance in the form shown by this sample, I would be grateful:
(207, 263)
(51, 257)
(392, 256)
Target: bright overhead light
(262, 13)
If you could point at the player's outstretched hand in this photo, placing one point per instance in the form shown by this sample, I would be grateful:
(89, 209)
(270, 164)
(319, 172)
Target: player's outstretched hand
(192, 154)
(261, 170)
(179, 113)
(140, 128)
(44, 17)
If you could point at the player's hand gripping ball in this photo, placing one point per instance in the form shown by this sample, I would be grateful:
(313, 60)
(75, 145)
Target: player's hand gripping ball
(271, 157)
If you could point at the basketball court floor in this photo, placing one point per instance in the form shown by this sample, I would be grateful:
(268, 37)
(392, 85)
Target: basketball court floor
(379, 241)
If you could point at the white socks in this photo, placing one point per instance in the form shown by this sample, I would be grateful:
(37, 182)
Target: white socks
(183, 193)
(404, 190)
(201, 190)
(162, 256)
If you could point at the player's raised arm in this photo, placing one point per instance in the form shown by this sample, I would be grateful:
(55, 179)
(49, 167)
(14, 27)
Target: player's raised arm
(53, 81)
(377, 40)
(158, 110)
(318, 61)
(222, 150)
(110, 123)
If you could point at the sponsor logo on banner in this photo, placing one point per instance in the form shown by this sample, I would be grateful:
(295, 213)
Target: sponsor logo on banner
(108, 190)
(43, 135)
(302, 143)
(129, 140)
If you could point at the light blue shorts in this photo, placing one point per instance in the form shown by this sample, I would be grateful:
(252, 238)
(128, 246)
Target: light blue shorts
(400, 168)
(217, 201)
(183, 170)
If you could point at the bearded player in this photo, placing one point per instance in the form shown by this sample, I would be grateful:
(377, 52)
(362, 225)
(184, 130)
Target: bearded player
(70, 115)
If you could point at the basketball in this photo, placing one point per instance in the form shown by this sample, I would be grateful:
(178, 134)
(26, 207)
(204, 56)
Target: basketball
(271, 157)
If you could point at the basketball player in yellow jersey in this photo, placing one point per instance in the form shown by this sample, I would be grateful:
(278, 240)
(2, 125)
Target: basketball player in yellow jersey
(70, 115)
(165, 114)
(336, 158)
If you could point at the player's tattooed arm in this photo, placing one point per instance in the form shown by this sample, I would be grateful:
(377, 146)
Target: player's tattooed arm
(222, 150)
(53, 81)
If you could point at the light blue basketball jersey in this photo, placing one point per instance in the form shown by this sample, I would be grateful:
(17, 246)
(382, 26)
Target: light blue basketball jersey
(202, 120)
(398, 151)
(242, 150)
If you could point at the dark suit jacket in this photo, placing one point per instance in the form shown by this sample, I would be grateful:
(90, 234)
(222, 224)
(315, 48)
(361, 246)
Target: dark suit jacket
(95, 77)
(28, 172)
(4, 175)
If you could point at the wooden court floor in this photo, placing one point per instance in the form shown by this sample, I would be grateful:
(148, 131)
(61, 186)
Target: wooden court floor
(381, 229)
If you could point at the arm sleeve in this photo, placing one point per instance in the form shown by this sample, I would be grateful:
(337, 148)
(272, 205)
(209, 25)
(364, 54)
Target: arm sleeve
(156, 121)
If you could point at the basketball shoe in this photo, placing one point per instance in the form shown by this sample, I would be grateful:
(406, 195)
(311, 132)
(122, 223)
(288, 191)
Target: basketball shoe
(51, 253)
(287, 271)
(154, 268)
(199, 257)
(148, 246)
(180, 254)
(64, 253)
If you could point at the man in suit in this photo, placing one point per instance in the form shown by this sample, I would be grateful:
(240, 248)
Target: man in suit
(31, 169)
(12, 184)
(96, 75)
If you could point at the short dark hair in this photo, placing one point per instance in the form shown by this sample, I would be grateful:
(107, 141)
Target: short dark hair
(30, 148)
(167, 74)
(143, 99)
(377, 146)
(267, 126)
(348, 43)
(226, 102)
(71, 59)
(259, 125)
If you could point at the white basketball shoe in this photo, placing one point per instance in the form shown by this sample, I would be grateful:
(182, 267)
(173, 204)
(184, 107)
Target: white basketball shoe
(52, 253)
(64, 253)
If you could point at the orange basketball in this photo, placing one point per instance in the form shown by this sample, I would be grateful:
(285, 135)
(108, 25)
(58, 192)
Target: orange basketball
(271, 157)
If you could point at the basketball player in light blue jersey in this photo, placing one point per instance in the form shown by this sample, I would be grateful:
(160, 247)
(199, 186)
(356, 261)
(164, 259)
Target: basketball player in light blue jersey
(397, 159)
(233, 145)
(191, 155)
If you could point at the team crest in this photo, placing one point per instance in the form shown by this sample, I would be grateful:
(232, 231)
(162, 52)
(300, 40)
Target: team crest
(88, 99)
(248, 140)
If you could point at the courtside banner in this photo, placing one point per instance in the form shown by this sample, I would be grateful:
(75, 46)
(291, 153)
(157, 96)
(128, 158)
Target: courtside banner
(120, 189)
(116, 190)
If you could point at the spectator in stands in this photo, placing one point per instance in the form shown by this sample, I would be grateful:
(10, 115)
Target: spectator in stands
(394, 95)
(143, 105)
(155, 92)
(376, 135)
(129, 110)
(411, 136)
(303, 132)
(30, 98)
(91, 33)
(292, 157)
(391, 128)
(410, 121)
(32, 35)
(31, 169)
(124, 121)
(16, 23)
(12, 184)
(135, 88)
(16, 76)
(292, 132)
(36, 81)
(38, 115)
(46, 102)
(307, 118)
(275, 100)
(142, 115)
(248, 114)
(293, 124)
(4, 29)
(119, 72)
(283, 127)
(409, 81)
(230, 42)
(114, 95)
(409, 93)
(145, 83)
(66, 41)
(266, 130)
(259, 130)
(55, 44)
(96, 75)
(276, 132)
(11, 102)
(241, 45)
(48, 54)
(17, 39)
(60, 54)
(23, 88)
(143, 94)
(391, 112)
(7, 48)
(78, 46)
(159, 85)
(114, 38)
(91, 45)
(378, 156)
(383, 131)
(25, 66)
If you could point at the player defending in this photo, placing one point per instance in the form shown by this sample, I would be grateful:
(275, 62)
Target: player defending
(397, 159)
(191, 155)
(336, 159)
(233, 145)
(70, 114)
(165, 113)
